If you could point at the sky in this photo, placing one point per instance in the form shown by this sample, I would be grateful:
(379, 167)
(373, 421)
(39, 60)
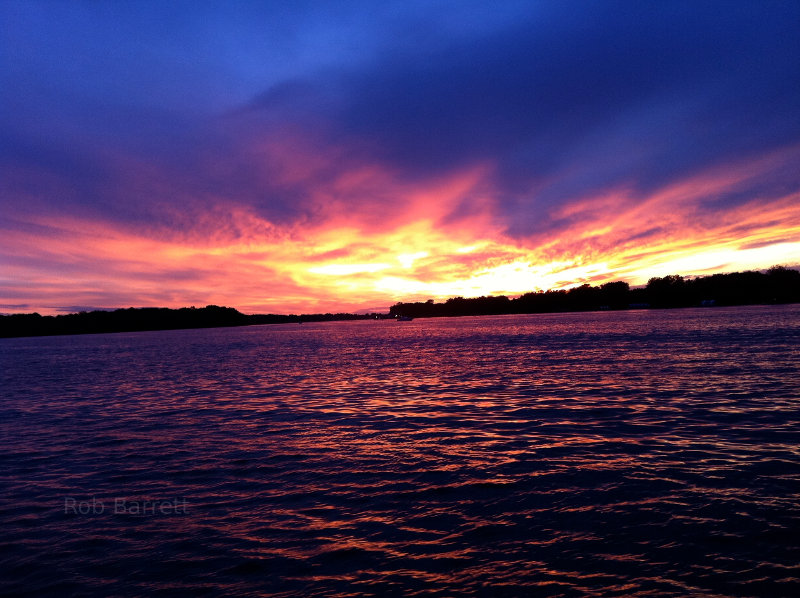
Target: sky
(307, 156)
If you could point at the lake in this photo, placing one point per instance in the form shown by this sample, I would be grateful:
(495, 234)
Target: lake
(636, 453)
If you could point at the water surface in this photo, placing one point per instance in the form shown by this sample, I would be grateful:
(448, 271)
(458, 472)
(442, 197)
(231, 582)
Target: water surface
(640, 453)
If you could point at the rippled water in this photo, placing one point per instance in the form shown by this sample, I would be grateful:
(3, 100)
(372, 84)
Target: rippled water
(646, 453)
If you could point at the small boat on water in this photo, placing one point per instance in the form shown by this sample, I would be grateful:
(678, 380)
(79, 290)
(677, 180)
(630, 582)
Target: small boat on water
(404, 318)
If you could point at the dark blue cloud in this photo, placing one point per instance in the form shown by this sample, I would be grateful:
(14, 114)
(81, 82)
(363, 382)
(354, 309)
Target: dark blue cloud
(576, 99)
(672, 88)
(564, 99)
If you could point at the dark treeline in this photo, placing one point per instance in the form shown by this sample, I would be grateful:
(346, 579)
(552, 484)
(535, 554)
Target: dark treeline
(148, 318)
(777, 285)
(120, 320)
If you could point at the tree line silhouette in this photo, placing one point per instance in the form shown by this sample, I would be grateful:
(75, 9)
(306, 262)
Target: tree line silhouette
(149, 318)
(776, 285)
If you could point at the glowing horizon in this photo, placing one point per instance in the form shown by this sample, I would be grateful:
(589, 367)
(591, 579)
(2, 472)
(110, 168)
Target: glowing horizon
(345, 268)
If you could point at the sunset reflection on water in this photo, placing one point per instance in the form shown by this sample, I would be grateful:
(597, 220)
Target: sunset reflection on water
(635, 453)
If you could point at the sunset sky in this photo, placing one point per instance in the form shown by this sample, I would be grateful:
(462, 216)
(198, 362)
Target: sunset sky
(303, 156)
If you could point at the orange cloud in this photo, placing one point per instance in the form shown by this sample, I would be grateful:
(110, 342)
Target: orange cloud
(416, 246)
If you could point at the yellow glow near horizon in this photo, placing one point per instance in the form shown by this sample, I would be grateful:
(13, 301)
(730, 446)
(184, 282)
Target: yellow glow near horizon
(407, 259)
(346, 269)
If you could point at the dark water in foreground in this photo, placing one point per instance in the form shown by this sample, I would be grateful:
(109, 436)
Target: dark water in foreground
(595, 454)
